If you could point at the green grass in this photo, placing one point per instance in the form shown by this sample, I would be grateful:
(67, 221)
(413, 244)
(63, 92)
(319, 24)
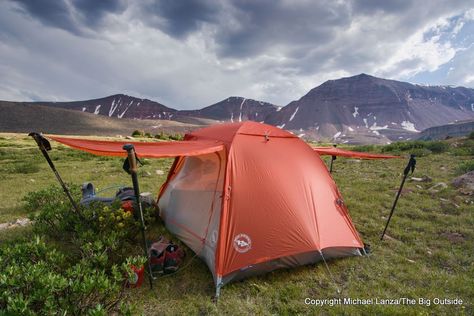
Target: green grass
(429, 256)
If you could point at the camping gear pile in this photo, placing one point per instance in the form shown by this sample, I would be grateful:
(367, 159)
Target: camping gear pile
(246, 197)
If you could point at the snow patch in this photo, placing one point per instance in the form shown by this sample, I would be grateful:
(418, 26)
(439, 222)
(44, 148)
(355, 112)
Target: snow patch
(83, 109)
(113, 107)
(376, 133)
(409, 126)
(281, 126)
(241, 104)
(366, 124)
(374, 127)
(97, 109)
(393, 123)
(472, 107)
(279, 108)
(293, 115)
(301, 135)
(350, 129)
(337, 135)
(126, 109)
(356, 112)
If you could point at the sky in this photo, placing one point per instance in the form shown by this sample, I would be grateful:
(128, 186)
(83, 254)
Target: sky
(188, 54)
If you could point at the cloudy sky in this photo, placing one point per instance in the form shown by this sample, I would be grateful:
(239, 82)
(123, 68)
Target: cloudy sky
(192, 53)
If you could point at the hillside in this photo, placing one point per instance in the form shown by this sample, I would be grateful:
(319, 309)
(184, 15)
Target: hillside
(118, 105)
(26, 117)
(235, 109)
(366, 107)
(457, 129)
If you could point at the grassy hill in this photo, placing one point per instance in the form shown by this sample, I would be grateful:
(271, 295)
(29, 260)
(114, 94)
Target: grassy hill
(20, 117)
(428, 253)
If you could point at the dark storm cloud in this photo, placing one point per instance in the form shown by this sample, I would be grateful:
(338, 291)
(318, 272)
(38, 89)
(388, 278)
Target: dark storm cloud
(54, 13)
(179, 18)
(70, 16)
(93, 11)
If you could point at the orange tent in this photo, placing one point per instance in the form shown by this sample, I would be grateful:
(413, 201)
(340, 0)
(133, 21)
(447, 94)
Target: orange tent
(248, 198)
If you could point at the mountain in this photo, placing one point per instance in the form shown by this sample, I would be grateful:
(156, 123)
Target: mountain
(18, 117)
(235, 109)
(358, 109)
(364, 108)
(120, 106)
(457, 129)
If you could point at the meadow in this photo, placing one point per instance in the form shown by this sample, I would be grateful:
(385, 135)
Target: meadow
(428, 253)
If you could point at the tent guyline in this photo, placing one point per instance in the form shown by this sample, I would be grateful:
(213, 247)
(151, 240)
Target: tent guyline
(237, 193)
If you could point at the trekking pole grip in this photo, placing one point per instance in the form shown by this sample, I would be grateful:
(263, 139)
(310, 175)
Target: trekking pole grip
(131, 157)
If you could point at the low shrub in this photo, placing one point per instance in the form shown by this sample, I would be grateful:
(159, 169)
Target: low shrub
(137, 133)
(423, 148)
(36, 278)
(471, 135)
(465, 167)
(80, 263)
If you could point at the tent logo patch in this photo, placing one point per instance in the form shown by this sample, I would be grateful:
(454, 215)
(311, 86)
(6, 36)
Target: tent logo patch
(242, 243)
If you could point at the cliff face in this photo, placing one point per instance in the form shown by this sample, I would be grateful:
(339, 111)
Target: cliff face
(450, 130)
(365, 106)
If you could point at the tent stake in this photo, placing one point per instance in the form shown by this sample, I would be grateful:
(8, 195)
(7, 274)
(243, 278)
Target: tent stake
(410, 166)
(329, 272)
(132, 161)
(45, 146)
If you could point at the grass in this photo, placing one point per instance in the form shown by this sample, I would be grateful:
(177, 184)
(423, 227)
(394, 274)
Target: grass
(428, 256)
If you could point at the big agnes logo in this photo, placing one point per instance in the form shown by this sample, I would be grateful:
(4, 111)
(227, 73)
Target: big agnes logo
(242, 243)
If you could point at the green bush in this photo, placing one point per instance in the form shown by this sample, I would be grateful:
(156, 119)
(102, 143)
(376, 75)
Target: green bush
(148, 135)
(364, 148)
(137, 133)
(465, 167)
(38, 279)
(471, 135)
(423, 148)
(78, 266)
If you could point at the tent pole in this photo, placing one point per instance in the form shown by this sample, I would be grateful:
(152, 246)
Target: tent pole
(410, 166)
(132, 160)
(45, 146)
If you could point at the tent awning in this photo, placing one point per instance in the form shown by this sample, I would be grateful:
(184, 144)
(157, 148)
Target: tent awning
(148, 150)
(332, 151)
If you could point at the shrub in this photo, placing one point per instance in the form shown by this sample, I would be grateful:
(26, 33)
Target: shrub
(148, 135)
(471, 135)
(137, 133)
(465, 167)
(423, 148)
(38, 279)
(364, 148)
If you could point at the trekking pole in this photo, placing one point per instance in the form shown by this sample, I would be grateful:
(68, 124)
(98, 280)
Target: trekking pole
(45, 146)
(332, 160)
(131, 168)
(330, 167)
(410, 166)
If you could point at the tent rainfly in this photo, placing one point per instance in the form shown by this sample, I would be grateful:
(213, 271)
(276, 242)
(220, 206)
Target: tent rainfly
(247, 198)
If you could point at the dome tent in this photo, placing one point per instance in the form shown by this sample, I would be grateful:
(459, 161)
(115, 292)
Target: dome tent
(267, 201)
(248, 198)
